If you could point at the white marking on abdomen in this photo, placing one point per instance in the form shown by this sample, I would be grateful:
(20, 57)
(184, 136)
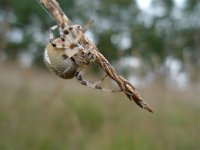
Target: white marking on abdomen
(46, 57)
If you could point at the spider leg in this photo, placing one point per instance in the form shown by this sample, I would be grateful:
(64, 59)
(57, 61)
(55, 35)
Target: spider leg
(70, 37)
(72, 27)
(83, 30)
(63, 32)
(80, 31)
(71, 33)
(51, 36)
(95, 85)
(100, 81)
(62, 37)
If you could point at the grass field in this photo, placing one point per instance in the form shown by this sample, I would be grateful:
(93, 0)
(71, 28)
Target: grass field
(38, 111)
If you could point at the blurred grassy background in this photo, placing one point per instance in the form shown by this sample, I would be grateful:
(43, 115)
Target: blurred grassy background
(40, 111)
(153, 43)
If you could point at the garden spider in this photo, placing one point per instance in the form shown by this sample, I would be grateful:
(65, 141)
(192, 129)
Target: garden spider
(72, 51)
(67, 57)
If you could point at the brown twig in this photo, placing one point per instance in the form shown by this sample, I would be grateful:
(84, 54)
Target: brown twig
(54, 9)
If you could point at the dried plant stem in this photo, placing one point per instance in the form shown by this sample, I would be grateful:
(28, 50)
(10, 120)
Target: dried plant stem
(54, 9)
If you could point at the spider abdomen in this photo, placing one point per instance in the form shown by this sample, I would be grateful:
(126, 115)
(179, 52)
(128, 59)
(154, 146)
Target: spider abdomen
(57, 61)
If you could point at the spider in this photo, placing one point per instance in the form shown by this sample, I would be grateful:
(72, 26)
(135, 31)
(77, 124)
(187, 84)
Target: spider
(72, 51)
(67, 57)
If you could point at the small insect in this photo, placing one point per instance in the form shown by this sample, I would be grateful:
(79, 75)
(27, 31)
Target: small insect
(67, 58)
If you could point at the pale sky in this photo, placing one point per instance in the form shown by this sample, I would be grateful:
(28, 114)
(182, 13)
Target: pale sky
(145, 4)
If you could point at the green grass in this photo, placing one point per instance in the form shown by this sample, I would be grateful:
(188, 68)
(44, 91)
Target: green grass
(41, 112)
